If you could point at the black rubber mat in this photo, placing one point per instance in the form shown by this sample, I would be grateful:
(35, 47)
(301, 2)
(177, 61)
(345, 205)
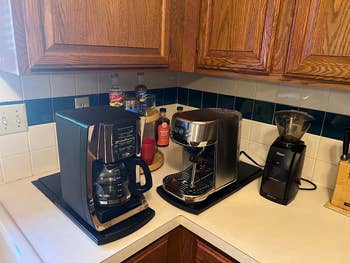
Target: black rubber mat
(246, 174)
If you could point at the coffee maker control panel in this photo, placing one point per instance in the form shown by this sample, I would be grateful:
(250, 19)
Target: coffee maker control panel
(124, 141)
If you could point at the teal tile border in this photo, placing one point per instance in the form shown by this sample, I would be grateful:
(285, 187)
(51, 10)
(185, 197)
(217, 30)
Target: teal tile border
(326, 124)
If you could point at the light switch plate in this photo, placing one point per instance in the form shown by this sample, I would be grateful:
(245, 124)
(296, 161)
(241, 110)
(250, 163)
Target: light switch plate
(13, 119)
(82, 102)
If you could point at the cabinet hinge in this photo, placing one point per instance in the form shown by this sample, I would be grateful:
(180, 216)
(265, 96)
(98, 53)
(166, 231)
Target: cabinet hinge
(197, 45)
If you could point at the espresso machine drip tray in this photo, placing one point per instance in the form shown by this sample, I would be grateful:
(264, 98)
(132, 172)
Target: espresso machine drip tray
(179, 184)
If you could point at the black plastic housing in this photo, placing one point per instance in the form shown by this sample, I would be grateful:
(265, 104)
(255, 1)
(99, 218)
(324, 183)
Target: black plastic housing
(283, 168)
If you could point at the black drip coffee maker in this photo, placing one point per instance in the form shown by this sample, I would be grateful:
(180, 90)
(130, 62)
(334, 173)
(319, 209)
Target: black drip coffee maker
(99, 186)
(284, 163)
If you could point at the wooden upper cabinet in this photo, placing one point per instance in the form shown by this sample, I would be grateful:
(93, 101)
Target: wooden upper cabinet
(86, 33)
(91, 33)
(320, 40)
(237, 35)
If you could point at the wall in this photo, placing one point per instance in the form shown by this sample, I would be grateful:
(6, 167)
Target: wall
(35, 152)
(258, 102)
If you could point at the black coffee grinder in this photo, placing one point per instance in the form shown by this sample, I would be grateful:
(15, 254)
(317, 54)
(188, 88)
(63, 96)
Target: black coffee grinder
(284, 163)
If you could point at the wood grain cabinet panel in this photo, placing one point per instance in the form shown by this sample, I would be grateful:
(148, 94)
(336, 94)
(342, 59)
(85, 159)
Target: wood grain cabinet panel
(180, 246)
(320, 40)
(156, 252)
(237, 35)
(103, 33)
(79, 34)
(208, 254)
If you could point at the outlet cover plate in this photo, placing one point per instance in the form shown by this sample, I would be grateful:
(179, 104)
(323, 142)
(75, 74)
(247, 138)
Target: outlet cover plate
(13, 119)
(81, 102)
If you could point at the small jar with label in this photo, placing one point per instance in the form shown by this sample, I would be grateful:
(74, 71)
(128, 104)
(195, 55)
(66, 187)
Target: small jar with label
(116, 97)
(141, 93)
(162, 129)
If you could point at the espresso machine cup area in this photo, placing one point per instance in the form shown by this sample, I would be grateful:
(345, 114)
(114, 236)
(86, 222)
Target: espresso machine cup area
(210, 140)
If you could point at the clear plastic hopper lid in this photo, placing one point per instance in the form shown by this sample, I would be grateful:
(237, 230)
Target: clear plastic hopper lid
(292, 124)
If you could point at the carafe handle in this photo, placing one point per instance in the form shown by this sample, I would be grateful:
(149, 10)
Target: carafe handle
(147, 173)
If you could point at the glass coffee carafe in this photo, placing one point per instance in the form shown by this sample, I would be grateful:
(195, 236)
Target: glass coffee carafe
(115, 182)
(114, 171)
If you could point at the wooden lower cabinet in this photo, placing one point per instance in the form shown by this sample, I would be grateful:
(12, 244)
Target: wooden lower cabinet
(156, 252)
(180, 246)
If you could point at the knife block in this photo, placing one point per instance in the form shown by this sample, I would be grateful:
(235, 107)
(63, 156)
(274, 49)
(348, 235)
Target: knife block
(341, 194)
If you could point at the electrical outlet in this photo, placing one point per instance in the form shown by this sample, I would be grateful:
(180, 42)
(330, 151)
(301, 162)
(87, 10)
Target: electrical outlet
(13, 119)
(82, 102)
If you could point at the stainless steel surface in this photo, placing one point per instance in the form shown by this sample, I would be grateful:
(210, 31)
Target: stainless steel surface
(116, 220)
(292, 124)
(105, 144)
(195, 128)
(178, 185)
(212, 135)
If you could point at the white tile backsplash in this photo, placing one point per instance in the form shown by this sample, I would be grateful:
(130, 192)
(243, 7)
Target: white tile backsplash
(35, 151)
(245, 88)
(315, 98)
(10, 87)
(325, 174)
(42, 136)
(29, 153)
(13, 144)
(86, 84)
(312, 143)
(44, 161)
(104, 82)
(62, 85)
(258, 151)
(308, 168)
(245, 128)
(290, 95)
(266, 91)
(36, 87)
(16, 167)
(156, 80)
(207, 83)
(263, 133)
(329, 150)
(339, 101)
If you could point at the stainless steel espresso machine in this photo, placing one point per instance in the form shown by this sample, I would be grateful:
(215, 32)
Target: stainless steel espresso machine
(210, 139)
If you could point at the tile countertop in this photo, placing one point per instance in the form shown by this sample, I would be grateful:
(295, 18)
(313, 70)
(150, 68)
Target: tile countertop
(244, 225)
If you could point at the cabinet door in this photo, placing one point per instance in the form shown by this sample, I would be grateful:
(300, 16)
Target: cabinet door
(156, 252)
(207, 254)
(237, 35)
(96, 33)
(320, 41)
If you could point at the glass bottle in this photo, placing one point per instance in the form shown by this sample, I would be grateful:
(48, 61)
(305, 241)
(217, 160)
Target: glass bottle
(141, 92)
(162, 129)
(116, 97)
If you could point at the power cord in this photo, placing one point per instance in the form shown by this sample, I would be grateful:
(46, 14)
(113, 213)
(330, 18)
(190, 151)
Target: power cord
(251, 159)
(314, 186)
